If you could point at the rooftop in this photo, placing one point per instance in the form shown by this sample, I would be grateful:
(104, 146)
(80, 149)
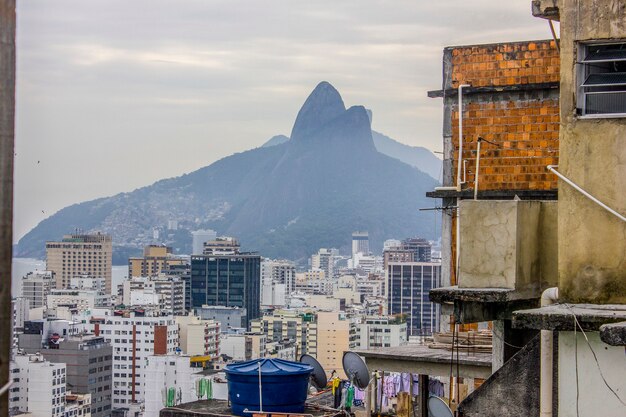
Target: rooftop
(220, 408)
(421, 359)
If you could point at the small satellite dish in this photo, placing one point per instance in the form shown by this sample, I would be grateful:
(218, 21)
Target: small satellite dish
(318, 376)
(438, 408)
(356, 370)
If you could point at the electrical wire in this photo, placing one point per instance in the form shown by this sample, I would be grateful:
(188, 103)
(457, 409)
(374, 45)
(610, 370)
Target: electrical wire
(595, 357)
(497, 336)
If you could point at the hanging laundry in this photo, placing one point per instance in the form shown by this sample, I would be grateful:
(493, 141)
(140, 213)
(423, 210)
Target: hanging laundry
(416, 385)
(405, 382)
(359, 394)
(349, 397)
(435, 387)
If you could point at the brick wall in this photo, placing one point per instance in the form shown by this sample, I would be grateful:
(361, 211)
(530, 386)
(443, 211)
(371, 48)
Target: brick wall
(512, 103)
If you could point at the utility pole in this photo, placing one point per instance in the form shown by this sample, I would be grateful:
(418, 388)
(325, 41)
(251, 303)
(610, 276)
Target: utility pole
(7, 130)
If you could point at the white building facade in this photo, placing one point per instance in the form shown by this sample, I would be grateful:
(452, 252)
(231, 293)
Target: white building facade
(133, 339)
(38, 386)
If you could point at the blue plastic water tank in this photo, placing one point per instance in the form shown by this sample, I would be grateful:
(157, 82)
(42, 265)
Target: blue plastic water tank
(284, 385)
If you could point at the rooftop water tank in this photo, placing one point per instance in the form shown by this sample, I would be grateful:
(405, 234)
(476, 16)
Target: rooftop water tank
(284, 386)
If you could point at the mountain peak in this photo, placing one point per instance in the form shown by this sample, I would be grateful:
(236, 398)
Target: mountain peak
(323, 105)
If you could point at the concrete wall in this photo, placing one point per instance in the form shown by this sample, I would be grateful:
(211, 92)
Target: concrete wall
(594, 398)
(513, 390)
(592, 248)
(518, 238)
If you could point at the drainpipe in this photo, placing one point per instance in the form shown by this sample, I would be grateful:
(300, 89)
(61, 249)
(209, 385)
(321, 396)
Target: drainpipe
(548, 297)
(459, 182)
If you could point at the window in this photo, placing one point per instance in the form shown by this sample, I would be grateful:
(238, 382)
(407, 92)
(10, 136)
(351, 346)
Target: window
(601, 79)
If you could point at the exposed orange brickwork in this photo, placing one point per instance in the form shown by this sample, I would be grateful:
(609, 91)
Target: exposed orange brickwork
(524, 126)
(505, 64)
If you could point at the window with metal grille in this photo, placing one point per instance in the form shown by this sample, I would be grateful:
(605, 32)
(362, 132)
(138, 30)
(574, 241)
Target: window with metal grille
(602, 79)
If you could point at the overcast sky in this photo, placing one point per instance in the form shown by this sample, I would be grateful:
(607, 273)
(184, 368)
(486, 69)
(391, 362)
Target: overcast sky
(114, 95)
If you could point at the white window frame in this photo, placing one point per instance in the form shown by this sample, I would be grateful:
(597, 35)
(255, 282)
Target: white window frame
(581, 76)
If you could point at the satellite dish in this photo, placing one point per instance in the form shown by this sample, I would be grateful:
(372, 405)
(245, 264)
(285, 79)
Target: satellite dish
(318, 376)
(356, 370)
(438, 408)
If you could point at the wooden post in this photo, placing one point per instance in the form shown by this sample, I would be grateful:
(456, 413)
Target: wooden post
(7, 129)
(424, 393)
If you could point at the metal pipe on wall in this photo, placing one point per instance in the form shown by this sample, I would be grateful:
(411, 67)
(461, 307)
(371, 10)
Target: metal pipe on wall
(548, 297)
(7, 131)
(459, 181)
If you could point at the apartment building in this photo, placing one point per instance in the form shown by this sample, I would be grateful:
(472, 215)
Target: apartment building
(301, 328)
(38, 386)
(36, 286)
(88, 361)
(378, 332)
(80, 254)
(167, 374)
(198, 336)
(408, 287)
(324, 260)
(134, 336)
(336, 334)
(166, 292)
(155, 259)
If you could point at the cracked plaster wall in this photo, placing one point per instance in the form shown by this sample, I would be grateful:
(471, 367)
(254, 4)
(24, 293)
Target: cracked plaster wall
(508, 244)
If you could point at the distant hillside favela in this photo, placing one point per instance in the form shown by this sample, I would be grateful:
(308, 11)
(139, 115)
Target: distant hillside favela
(286, 199)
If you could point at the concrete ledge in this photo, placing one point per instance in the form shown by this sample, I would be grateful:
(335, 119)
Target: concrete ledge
(443, 295)
(614, 334)
(560, 317)
(495, 194)
(473, 305)
(453, 92)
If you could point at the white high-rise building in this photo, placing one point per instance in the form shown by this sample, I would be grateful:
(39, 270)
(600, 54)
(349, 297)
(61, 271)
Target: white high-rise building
(38, 386)
(81, 300)
(36, 287)
(198, 239)
(21, 308)
(378, 332)
(278, 280)
(134, 337)
(169, 373)
(166, 292)
(360, 243)
(324, 260)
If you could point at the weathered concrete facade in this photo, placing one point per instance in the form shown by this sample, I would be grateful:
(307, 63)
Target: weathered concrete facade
(508, 244)
(592, 243)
